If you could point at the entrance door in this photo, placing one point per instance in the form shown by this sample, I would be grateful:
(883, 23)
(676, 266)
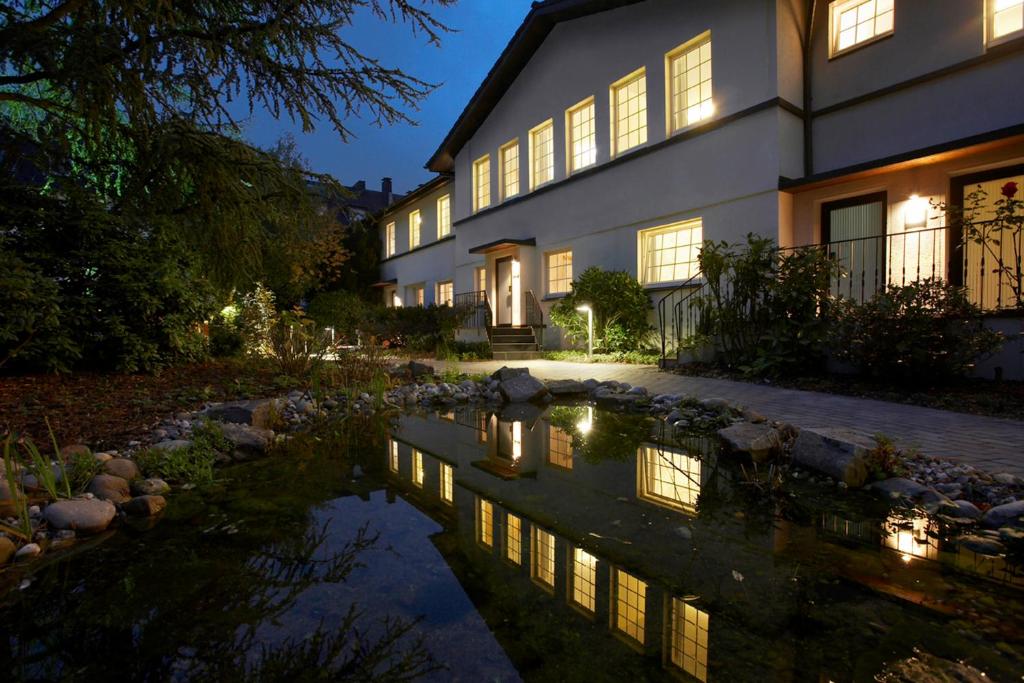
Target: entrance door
(854, 230)
(503, 291)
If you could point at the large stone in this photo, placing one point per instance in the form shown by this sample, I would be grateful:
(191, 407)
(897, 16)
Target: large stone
(84, 515)
(150, 487)
(7, 550)
(506, 373)
(1005, 515)
(983, 545)
(145, 506)
(74, 449)
(522, 389)
(172, 445)
(965, 509)
(837, 452)
(566, 387)
(122, 467)
(109, 487)
(760, 441)
(623, 402)
(718, 405)
(249, 442)
(262, 413)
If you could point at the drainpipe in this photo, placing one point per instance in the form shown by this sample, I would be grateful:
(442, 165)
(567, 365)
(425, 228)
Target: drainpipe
(808, 55)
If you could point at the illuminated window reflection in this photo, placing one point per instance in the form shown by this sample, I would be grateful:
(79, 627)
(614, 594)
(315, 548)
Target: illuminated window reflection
(514, 540)
(668, 478)
(910, 538)
(485, 522)
(447, 483)
(629, 603)
(584, 579)
(517, 440)
(393, 456)
(559, 448)
(417, 467)
(690, 639)
(542, 566)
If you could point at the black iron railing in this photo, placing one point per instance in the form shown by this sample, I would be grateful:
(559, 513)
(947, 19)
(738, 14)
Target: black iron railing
(533, 314)
(478, 310)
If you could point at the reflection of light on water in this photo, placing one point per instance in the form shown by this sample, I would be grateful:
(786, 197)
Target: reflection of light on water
(910, 538)
(517, 441)
(586, 424)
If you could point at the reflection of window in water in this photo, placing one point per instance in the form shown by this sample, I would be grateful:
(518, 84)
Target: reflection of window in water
(584, 579)
(393, 456)
(840, 526)
(484, 522)
(559, 448)
(514, 539)
(910, 538)
(510, 440)
(481, 433)
(629, 604)
(447, 483)
(417, 467)
(668, 478)
(542, 567)
(690, 639)
(448, 415)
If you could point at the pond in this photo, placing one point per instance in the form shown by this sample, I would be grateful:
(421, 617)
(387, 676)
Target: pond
(557, 544)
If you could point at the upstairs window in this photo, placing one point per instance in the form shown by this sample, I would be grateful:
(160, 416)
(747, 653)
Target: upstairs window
(1004, 20)
(508, 158)
(629, 112)
(856, 22)
(580, 131)
(689, 83)
(669, 253)
(389, 240)
(542, 154)
(444, 216)
(482, 183)
(415, 224)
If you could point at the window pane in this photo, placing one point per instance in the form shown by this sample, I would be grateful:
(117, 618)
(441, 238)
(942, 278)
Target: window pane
(542, 568)
(1007, 17)
(630, 605)
(559, 272)
(582, 139)
(858, 21)
(444, 216)
(629, 119)
(542, 155)
(514, 539)
(481, 183)
(690, 639)
(584, 579)
(670, 253)
(510, 170)
(690, 85)
(415, 223)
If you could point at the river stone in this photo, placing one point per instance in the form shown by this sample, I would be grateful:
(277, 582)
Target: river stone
(967, 510)
(74, 449)
(29, 551)
(258, 413)
(7, 550)
(760, 441)
(506, 373)
(718, 405)
(150, 487)
(1005, 515)
(109, 487)
(173, 445)
(85, 515)
(522, 389)
(249, 442)
(837, 452)
(566, 387)
(122, 467)
(145, 506)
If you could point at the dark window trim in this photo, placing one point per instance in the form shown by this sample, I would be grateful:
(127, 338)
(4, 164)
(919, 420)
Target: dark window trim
(446, 238)
(871, 198)
(957, 186)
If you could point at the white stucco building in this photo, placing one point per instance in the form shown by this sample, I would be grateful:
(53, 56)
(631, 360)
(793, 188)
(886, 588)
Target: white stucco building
(623, 133)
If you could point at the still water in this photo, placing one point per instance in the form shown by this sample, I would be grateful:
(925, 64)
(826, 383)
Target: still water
(566, 544)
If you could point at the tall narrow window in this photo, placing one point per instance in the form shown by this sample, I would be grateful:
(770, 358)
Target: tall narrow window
(629, 605)
(689, 87)
(447, 483)
(584, 580)
(415, 225)
(669, 253)
(559, 272)
(1005, 20)
(444, 216)
(481, 279)
(445, 293)
(856, 22)
(514, 539)
(415, 295)
(482, 183)
(542, 154)
(629, 112)
(509, 160)
(559, 448)
(389, 240)
(581, 135)
(542, 564)
(393, 455)
(690, 639)
(484, 523)
(417, 468)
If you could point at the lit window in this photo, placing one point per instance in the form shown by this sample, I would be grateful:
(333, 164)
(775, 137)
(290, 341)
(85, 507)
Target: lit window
(509, 160)
(542, 564)
(415, 223)
(629, 112)
(581, 134)
(481, 279)
(389, 240)
(690, 639)
(482, 183)
(484, 522)
(689, 73)
(514, 540)
(485, 425)
(669, 253)
(393, 456)
(855, 22)
(584, 579)
(559, 448)
(445, 293)
(911, 538)
(629, 604)
(1005, 18)
(447, 483)
(560, 272)
(417, 468)
(542, 154)
(444, 216)
(416, 295)
(668, 478)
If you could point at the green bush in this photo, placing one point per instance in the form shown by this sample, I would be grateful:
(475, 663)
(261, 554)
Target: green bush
(30, 326)
(620, 306)
(430, 329)
(927, 331)
(226, 339)
(345, 311)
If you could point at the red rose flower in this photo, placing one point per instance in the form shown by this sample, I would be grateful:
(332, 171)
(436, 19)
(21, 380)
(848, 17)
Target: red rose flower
(1010, 189)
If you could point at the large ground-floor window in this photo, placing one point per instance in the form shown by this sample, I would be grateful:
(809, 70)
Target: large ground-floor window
(669, 253)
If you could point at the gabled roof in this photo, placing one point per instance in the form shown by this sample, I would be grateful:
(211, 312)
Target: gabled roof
(527, 40)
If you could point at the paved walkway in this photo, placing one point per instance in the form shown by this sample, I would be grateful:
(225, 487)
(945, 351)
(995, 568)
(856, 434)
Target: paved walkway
(990, 443)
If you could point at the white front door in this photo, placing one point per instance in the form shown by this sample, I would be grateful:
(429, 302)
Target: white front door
(503, 292)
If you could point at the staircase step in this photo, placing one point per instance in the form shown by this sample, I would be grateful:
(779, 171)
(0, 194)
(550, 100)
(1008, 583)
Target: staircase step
(531, 346)
(513, 339)
(513, 331)
(516, 355)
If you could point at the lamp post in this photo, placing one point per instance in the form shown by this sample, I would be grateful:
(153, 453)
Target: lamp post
(590, 329)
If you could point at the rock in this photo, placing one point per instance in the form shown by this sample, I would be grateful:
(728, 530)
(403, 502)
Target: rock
(522, 389)
(591, 384)
(611, 401)
(7, 550)
(29, 551)
(122, 467)
(262, 413)
(173, 445)
(839, 453)
(249, 442)
(640, 391)
(1006, 479)
(74, 449)
(420, 369)
(145, 506)
(566, 387)
(150, 487)
(1005, 515)
(753, 416)
(109, 487)
(899, 487)
(102, 457)
(506, 373)
(1011, 535)
(85, 515)
(760, 441)
(966, 510)
(983, 545)
(718, 405)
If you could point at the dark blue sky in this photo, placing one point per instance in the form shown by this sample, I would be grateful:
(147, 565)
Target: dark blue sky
(459, 65)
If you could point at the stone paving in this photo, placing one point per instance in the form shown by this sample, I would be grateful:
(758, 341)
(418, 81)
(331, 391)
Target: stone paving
(990, 443)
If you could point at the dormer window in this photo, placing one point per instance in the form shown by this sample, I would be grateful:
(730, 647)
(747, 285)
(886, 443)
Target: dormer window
(853, 23)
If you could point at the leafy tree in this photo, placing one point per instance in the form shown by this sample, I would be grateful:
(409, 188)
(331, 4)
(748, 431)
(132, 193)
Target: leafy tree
(620, 307)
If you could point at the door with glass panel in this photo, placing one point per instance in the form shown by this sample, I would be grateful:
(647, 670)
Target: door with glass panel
(854, 231)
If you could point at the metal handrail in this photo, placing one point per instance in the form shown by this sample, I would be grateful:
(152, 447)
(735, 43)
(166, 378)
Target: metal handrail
(534, 313)
(478, 309)
(663, 305)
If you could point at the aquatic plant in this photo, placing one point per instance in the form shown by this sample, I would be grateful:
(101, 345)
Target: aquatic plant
(18, 499)
(55, 483)
(193, 464)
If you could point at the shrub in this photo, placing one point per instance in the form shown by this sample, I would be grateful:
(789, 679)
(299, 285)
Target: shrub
(30, 326)
(226, 339)
(344, 311)
(925, 331)
(417, 328)
(257, 314)
(620, 307)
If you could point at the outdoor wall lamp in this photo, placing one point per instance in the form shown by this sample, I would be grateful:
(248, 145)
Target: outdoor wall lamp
(915, 215)
(590, 329)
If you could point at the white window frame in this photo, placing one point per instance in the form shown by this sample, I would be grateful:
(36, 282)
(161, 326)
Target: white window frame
(390, 239)
(547, 272)
(506, 192)
(835, 9)
(650, 233)
(438, 299)
(415, 229)
(548, 125)
(444, 216)
(481, 186)
(683, 50)
(480, 278)
(613, 91)
(570, 136)
(990, 17)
